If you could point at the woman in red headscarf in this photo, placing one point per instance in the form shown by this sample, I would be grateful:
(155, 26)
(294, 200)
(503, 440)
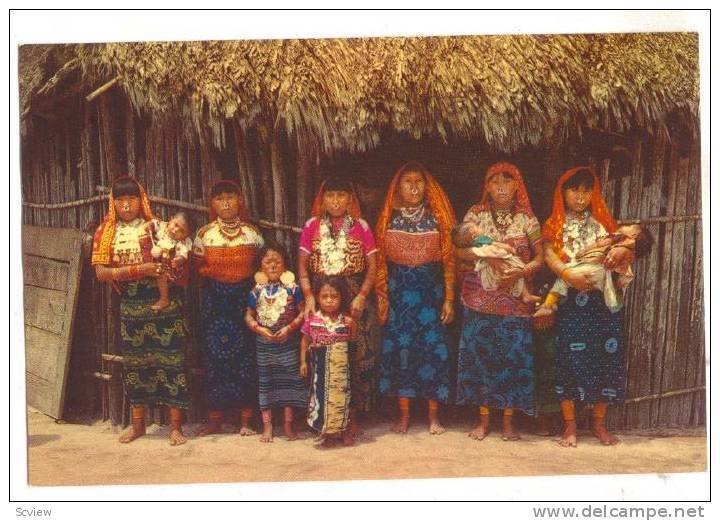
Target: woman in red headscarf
(589, 359)
(152, 342)
(495, 361)
(415, 292)
(226, 248)
(336, 241)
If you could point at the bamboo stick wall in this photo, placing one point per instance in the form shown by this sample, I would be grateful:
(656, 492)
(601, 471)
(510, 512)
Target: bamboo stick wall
(69, 158)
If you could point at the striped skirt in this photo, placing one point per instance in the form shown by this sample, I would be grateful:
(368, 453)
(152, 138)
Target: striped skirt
(279, 374)
(330, 388)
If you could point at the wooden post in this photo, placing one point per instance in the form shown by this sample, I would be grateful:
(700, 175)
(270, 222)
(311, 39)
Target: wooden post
(278, 184)
(244, 170)
(304, 162)
(130, 139)
(266, 178)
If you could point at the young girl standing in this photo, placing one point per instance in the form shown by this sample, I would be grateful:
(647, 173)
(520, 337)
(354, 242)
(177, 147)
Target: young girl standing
(326, 335)
(275, 314)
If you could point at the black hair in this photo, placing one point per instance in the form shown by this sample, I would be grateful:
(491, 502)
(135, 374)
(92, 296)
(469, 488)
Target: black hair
(125, 187)
(337, 283)
(268, 247)
(338, 184)
(643, 243)
(224, 187)
(413, 166)
(580, 178)
(188, 218)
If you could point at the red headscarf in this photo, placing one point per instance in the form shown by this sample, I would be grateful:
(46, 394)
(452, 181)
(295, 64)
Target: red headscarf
(522, 201)
(317, 207)
(242, 210)
(553, 228)
(103, 238)
(443, 211)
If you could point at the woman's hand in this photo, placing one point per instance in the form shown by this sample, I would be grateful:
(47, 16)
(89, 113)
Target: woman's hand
(150, 269)
(309, 306)
(357, 306)
(447, 313)
(303, 369)
(618, 256)
(579, 281)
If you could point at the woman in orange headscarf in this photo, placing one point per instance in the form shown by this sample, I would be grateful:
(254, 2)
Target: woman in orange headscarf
(336, 241)
(415, 291)
(153, 364)
(589, 359)
(226, 249)
(495, 361)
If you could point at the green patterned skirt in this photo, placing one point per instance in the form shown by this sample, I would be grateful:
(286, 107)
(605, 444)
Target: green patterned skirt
(153, 346)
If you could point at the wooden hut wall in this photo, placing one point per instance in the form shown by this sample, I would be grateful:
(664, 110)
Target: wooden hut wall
(74, 156)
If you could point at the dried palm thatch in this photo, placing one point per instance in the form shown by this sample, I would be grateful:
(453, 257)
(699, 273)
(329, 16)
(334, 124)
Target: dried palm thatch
(507, 92)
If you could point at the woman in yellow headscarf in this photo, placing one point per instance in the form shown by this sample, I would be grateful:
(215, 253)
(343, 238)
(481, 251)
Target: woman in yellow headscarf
(415, 291)
(152, 342)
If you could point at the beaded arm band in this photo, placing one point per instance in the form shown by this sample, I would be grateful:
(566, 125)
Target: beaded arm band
(126, 273)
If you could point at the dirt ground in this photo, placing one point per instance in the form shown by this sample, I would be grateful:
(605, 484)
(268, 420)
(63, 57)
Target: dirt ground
(73, 454)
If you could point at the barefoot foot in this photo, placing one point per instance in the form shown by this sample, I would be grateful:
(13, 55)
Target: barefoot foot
(131, 435)
(209, 428)
(479, 433)
(436, 428)
(569, 435)
(531, 299)
(246, 430)
(401, 425)
(290, 433)
(348, 438)
(267, 433)
(509, 432)
(177, 437)
(602, 434)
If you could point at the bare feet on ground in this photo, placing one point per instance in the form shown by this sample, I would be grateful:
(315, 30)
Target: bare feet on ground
(209, 428)
(601, 433)
(267, 433)
(569, 435)
(246, 430)
(509, 432)
(401, 425)
(177, 437)
(290, 433)
(131, 435)
(480, 432)
(436, 428)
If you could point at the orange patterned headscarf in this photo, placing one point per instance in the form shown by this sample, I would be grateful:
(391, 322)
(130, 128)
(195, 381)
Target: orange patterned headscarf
(522, 201)
(242, 210)
(553, 228)
(103, 238)
(318, 210)
(442, 210)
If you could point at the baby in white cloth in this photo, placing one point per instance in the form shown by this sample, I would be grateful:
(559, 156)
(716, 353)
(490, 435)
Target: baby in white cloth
(171, 247)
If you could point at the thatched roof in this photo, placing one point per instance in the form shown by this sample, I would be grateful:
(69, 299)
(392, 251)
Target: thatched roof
(342, 94)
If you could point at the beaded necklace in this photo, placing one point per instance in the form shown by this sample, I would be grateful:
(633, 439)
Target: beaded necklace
(413, 214)
(332, 247)
(230, 229)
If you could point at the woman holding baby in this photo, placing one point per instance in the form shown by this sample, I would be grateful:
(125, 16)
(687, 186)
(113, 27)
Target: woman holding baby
(501, 235)
(589, 354)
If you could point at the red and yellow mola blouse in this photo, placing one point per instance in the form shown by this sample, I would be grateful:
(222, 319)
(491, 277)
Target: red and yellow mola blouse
(226, 259)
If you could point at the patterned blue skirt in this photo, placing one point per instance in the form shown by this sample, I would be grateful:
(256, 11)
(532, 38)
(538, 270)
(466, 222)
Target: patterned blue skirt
(231, 372)
(414, 362)
(589, 358)
(280, 384)
(495, 362)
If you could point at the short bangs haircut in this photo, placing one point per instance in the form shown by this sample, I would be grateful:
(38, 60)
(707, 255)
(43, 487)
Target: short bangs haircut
(583, 178)
(125, 187)
(224, 187)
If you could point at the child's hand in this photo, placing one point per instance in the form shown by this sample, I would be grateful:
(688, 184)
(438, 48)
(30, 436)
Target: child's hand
(303, 369)
(579, 281)
(265, 333)
(281, 334)
(178, 261)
